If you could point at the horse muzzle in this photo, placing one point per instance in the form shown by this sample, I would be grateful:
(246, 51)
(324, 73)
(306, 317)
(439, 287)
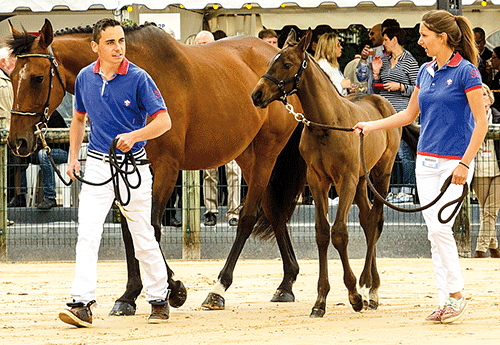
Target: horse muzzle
(259, 98)
(21, 146)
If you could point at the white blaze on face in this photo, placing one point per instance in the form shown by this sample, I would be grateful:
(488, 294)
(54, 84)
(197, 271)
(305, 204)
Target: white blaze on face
(23, 75)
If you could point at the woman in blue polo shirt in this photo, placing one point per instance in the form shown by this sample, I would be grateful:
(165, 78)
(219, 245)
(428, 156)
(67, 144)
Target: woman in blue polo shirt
(448, 97)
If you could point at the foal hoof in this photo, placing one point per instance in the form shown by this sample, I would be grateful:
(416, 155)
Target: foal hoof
(283, 296)
(373, 305)
(214, 302)
(358, 304)
(122, 308)
(317, 312)
(178, 294)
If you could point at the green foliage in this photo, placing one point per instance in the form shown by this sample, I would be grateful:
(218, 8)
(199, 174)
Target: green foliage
(128, 22)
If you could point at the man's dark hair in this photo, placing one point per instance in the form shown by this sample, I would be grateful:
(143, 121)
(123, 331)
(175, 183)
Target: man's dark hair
(480, 31)
(266, 33)
(218, 34)
(389, 23)
(399, 33)
(101, 25)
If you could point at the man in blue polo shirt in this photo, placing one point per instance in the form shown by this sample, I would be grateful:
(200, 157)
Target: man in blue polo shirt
(117, 97)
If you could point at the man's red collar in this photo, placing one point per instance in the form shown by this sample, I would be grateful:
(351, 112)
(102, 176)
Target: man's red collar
(123, 69)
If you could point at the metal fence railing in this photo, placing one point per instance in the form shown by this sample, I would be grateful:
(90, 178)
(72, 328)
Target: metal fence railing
(51, 235)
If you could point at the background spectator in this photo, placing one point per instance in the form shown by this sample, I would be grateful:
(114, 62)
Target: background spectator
(270, 36)
(486, 184)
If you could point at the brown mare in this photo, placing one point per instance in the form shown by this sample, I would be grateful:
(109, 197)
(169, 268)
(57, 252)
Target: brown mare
(207, 91)
(333, 156)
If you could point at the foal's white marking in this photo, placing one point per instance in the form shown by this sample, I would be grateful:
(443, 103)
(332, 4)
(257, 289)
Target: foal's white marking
(219, 289)
(365, 293)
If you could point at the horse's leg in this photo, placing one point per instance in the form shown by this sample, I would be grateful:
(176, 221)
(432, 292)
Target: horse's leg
(125, 305)
(248, 217)
(163, 187)
(319, 190)
(284, 292)
(346, 187)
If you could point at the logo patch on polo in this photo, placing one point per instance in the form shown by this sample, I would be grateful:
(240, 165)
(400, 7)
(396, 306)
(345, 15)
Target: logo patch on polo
(126, 102)
(449, 82)
(474, 73)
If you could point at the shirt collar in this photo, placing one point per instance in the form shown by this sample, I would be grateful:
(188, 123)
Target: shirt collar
(454, 62)
(123, 69)
(4, 74)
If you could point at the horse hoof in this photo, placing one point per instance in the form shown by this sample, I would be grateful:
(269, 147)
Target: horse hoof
(317, 312)
(214, 302)
(373, 305)
(122, 308)
(283, 296)
(178, 294)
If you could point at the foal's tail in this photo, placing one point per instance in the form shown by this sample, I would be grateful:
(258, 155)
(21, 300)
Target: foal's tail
(410, 137)
(285, 185)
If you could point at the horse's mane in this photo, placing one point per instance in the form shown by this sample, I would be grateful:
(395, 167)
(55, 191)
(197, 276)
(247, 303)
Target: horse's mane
(22, 44)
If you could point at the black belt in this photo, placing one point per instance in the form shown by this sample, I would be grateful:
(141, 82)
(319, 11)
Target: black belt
(139, 156)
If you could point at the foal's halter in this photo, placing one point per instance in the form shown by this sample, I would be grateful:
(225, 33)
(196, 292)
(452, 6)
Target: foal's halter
(295, 80)
(44, 114)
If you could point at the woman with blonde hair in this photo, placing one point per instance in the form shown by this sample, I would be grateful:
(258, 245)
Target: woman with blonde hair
(448, 97)
(327, 53)
(486, 184)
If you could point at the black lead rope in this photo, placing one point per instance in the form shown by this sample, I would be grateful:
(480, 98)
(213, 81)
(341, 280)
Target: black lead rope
(445, 186)
(117, 170)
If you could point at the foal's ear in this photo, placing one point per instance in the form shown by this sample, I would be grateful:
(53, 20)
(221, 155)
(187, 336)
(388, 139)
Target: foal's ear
(305, 41)
(292, 37)
(13, 30)
(46, 34)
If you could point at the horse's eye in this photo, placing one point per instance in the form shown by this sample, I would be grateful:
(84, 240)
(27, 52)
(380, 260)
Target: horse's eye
(38, 79)
(287, 66)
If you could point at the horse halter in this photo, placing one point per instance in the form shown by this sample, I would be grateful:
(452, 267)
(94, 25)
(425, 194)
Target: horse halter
(295, 80)
(53, 67)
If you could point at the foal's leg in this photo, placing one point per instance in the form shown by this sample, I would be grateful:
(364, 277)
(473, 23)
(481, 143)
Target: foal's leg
(381, 180)
(365, 209)
(319, 190)
(372, 223)
(340, 236)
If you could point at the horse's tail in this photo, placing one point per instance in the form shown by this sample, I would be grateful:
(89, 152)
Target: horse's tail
(285, 185)
(410, 137)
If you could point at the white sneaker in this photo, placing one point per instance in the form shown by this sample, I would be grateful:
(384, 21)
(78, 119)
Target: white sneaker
(390, 197)
(402, 198)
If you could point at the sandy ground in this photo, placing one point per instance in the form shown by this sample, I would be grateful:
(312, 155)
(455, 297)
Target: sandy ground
(32, 294)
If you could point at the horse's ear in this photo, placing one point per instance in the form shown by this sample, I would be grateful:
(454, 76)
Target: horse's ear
(46, 34)
(13, 30)
(305, 41)
(292, 37)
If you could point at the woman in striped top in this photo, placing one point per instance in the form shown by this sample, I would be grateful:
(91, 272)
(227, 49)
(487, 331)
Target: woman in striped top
(394, 76)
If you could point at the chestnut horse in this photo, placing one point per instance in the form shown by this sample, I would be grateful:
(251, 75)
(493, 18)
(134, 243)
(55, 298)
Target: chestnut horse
(333, 156)
(207, 91)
